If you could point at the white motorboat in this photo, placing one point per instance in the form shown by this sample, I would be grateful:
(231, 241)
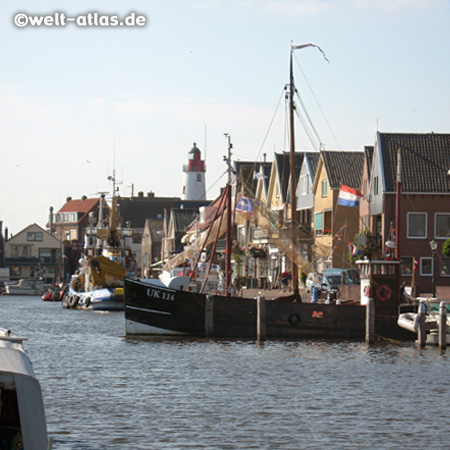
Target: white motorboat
(22, 416)
(25, 287)
(410, 321)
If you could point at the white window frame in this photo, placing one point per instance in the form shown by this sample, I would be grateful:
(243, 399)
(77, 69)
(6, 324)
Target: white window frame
(440, 268)
(422, 260)
(435, 225)
(426, 225)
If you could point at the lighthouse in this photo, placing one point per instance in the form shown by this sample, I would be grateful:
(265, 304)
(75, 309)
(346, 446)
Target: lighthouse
(194, 176)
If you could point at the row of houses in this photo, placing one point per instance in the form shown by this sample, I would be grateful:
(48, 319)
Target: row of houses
(328, 234)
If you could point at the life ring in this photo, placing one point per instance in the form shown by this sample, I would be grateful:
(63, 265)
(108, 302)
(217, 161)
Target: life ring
(294, 319)
(384, 293)
(191, 274)
(367, 291)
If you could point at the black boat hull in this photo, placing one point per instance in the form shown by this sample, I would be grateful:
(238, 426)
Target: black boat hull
(157, 310)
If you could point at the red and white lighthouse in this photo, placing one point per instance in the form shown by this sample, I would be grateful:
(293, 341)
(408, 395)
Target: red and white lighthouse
(194, 187)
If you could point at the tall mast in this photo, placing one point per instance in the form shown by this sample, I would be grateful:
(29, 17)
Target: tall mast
(229, 222)
(294, 222)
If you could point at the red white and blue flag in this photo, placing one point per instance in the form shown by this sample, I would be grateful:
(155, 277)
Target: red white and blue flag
(348, 196)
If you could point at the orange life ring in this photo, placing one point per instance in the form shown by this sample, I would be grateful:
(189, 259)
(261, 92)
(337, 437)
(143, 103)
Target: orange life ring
(191, 274)
(367, 291)
(384, 293)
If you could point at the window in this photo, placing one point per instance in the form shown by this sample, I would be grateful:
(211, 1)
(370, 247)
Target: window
(324, 188)
(184, 189)
(445, 267)
(304, 184)
(442, 224)
(375, 186)
(34, 236)
(45, 255)
(406, 265)
(318, 219)
(426, 266)
(417, 225)
(199, 177)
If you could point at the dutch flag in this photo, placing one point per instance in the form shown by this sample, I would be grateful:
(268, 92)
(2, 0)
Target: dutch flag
(348, 196)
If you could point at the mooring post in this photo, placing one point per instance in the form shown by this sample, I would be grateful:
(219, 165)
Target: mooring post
(443, 325)
(209, 315)
(421, 331)
(370, 321)
(260, 318)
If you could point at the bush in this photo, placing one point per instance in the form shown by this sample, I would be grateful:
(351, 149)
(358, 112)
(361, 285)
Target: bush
(446, 248)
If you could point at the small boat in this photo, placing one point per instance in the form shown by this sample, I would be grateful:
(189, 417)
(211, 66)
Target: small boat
(22, 418)
(410, 321)
(85, 292)
(25, 286)
(53, 294)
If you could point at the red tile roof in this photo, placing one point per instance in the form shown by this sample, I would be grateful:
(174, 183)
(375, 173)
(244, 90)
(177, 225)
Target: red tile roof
(82, 206)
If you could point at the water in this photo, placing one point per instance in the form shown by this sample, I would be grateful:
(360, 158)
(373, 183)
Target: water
(105, 391)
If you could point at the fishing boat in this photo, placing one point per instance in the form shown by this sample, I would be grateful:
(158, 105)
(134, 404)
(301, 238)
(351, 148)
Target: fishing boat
(22, 415)
(98, 285)
(154, 308)
(25, 286)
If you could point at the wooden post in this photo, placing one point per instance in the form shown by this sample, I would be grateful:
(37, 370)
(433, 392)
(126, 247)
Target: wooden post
(260, 318)
(370, 321)
(209, 315)
(443, 325)
(421, 331)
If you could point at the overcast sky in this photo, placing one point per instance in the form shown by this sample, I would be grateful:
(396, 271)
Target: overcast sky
(75, 102)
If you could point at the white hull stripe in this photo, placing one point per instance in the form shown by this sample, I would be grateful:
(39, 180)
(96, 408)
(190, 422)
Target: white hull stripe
(155, 311)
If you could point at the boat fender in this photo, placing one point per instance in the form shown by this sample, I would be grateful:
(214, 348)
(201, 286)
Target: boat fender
(294, 319)
(87, 302)
(74, 301)
(384, 293)
(191, 274)
(217, 293)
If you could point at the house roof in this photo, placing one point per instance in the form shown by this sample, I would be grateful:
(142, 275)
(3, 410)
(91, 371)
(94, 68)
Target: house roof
(138, 209)
(83, 205)
(313, 161)
(245, 174)
(283, 170)
(343, 167)
(425, 161)
(182, 218)
(368, 152)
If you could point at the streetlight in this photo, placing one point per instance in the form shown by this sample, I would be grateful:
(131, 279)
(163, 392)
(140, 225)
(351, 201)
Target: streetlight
(433, 246)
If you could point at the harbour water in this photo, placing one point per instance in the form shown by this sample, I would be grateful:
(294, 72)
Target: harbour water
(103, 390)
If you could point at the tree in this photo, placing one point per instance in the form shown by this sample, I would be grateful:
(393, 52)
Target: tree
(446, 248)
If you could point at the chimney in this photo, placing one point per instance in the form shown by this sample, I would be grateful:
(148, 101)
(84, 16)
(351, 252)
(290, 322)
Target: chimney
(51, 220)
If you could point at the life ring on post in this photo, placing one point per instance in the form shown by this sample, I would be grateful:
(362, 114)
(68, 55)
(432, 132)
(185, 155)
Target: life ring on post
(384, 293)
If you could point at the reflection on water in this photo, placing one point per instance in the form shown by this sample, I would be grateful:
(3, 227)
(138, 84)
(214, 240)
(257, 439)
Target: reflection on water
(103, 390)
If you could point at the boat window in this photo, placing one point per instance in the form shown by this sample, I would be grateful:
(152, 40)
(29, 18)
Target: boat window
(10, 432)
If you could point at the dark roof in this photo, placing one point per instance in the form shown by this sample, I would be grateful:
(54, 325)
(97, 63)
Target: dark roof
(313, 160)
(425, 161)
(182, 218)
(343, 167)
(368, 152)
(284, 171)
(245, 171)
(137, 209)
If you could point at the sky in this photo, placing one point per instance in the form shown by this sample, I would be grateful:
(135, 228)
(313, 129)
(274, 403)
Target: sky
(79, 104)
